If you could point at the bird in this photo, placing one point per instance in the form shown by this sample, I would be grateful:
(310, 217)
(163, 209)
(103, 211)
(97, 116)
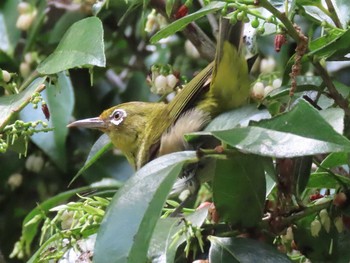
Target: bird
(143, 131)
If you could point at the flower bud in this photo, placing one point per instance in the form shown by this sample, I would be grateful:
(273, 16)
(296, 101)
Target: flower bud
(315, 227)
(325, 220)
(151, 23)
(34, 163)
(276, 83)
(15, 180)
(267, 90)
(23, 7)
(257, 91)
(171, 81)
(160, 84)
(24, 69)
(339, 224)
(6, 77)
(267, 65)
(67, 219)
(25, 20)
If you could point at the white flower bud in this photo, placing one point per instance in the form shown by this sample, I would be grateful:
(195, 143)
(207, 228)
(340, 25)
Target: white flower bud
(6, 76)
(171, 81)
(161, 84)
(315, 227)
(267, 65)
(289, 234)
(267, 90)
(276, 83)
(191, 50)
(23, 7)
(15, 180)
(257, 91)
(28, 58)
(339, 224)
(24, 21)
(34, 163)
(67, 219)
(151, 23)
(325, 220)
(24, 69)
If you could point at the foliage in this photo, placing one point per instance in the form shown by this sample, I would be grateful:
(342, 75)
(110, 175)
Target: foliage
(275, 183)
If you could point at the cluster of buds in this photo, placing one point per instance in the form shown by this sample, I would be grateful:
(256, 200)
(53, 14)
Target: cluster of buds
(27, 15)
(154, 21)
(21, 129)
(192, 233)
(323, 220)
(259, 90)
(162, 80)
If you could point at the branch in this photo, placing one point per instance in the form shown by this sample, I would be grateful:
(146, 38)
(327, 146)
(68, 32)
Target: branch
(333, 14)
(336, 96)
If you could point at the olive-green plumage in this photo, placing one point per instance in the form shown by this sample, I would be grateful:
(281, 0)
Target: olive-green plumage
(143, 130)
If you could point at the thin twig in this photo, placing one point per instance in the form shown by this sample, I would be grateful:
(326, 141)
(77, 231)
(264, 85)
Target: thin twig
(336, 96)
(333, 14)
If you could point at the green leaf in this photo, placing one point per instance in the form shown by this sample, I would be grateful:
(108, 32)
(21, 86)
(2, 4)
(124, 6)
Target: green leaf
(135, 210)
(243, 250)
(333, 46)
(169, 7)
(184, 21)
(9, 34)
(240, 186)
(63, 24)
(60, 101)
(287, 136)
(238, 117)
(321, 180)
(12, 104)
(334, 160)
(162, 248)
(100, 147)
(81, 46)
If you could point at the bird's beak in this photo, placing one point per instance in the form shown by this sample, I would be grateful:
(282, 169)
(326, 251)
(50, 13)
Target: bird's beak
(91, 123)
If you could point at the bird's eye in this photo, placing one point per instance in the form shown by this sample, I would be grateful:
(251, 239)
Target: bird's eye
(117, 116)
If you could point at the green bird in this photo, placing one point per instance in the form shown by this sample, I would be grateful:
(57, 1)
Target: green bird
(145, 130)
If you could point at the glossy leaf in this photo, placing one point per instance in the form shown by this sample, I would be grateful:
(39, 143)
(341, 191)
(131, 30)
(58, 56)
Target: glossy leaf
(286, 135)
(237, 118)
(334, 160)
(184, 21)
(243, 250)
(12, 104)
(239, 186)
(129, 223)
(60, 101)
(321, 180)
(81, 46)
(162, 247)
(332, 46)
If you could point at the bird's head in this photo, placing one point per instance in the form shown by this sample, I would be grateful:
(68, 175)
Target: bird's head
(125, 125)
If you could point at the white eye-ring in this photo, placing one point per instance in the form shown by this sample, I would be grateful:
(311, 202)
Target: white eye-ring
(117, 116)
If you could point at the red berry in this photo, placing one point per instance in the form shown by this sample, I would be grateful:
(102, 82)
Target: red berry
(181, 12)
(46, 111)
(280, 40)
